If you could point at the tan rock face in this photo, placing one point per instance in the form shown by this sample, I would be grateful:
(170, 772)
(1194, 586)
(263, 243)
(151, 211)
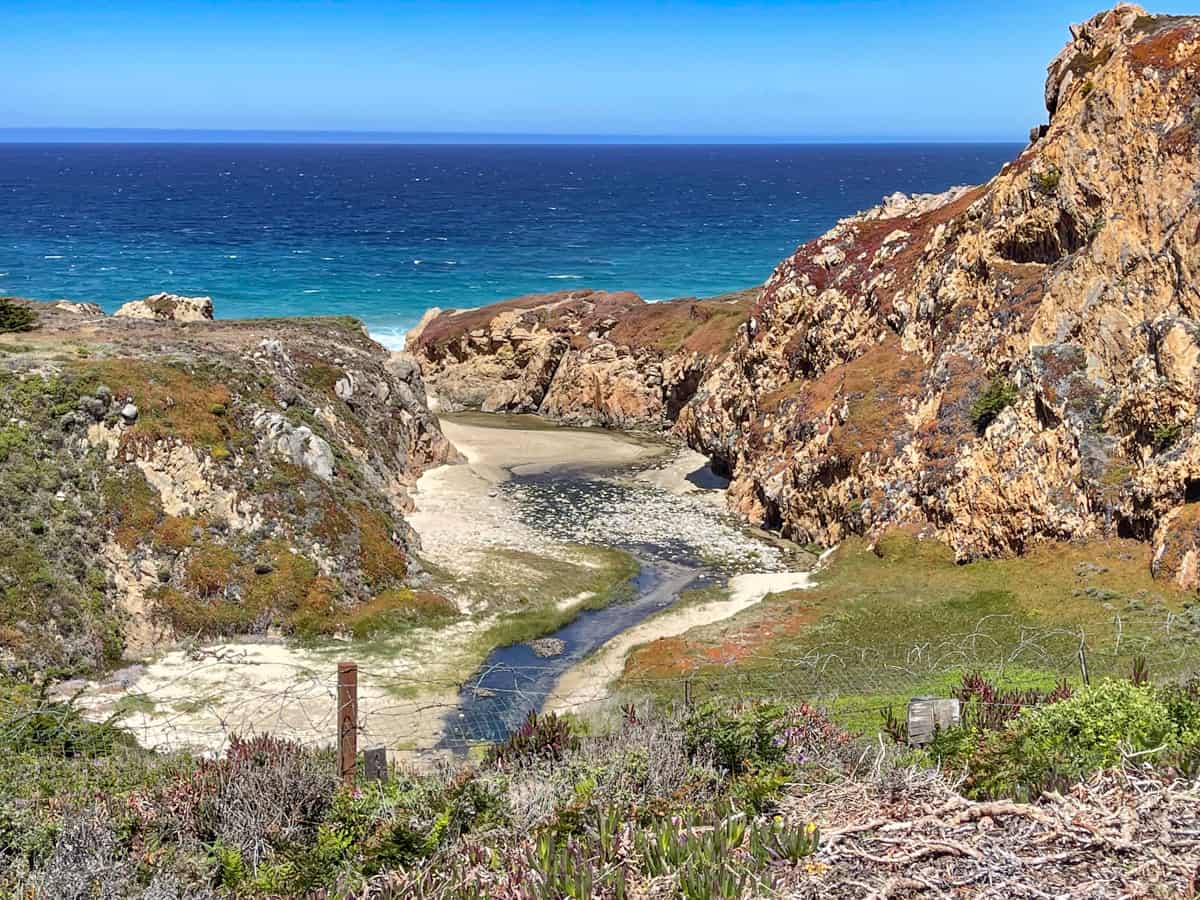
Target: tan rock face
(168, 307)
(580, 356)
(856, 396)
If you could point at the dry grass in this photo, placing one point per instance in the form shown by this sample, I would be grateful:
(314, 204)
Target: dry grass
(173, 401)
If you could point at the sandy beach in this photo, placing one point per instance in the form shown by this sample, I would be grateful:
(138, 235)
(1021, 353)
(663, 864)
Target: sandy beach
(460, 514)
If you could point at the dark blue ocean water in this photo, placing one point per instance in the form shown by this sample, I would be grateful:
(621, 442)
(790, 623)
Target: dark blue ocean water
(384, 232)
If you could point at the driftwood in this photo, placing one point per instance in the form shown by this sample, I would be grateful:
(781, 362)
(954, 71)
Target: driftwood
(1120, 835)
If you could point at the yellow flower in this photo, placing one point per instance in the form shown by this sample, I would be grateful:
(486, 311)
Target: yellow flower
(815, 868)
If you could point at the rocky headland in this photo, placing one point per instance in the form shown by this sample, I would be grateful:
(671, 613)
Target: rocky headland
(579, 357)
(997, 367)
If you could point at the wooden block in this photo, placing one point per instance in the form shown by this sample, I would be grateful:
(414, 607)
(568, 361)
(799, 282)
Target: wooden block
(927, 715)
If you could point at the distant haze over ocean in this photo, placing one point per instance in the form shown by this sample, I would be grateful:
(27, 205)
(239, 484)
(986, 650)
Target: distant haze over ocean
(385, 230)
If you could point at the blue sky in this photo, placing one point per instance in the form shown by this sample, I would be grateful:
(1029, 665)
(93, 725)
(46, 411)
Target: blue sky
(807, 69)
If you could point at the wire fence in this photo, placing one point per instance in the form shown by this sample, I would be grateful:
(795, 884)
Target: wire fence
(419, 719)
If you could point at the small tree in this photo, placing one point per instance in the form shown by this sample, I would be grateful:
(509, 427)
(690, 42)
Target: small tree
(15, 318)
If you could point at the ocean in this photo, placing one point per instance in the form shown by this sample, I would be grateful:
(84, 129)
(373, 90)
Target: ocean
(383, 232)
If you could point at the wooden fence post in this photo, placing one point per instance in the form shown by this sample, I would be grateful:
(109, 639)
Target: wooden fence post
(347, 701)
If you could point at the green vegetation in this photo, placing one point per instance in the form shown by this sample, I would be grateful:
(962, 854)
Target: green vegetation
(548, 593)
(1165, 435)
(14, 318)
(1000, 394)
(1045, 181)
(903, 619)
(56, 615)
(174, 400)
(686, 800)
(610, 812)
(1084, 64)
(1019, 745)
(396, 610)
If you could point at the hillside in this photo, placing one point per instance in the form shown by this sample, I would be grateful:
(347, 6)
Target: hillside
(167, 476)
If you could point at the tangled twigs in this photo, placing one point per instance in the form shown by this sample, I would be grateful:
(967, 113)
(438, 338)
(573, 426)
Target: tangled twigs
(1122, 834)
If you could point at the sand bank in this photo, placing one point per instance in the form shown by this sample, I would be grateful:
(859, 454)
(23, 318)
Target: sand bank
(589, 683)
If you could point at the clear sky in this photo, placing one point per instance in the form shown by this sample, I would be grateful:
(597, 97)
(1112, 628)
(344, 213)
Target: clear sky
(805, 69)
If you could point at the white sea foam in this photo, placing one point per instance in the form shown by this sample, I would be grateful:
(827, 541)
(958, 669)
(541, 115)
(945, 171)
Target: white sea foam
(51, 257)
(313, 291)
(565, 277)
(391, 336)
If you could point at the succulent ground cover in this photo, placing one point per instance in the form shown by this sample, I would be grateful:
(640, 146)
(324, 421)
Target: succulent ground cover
(718, 800)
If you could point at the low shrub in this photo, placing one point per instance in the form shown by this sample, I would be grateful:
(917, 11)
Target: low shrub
(737, 740)
(543, 737)
(1046, 181)
(14, 318)
(1000, 394)
(32, 723)
(1070, 734)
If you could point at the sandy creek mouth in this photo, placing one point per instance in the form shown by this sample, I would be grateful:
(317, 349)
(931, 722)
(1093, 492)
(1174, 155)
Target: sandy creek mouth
(532, 496)
(665, 518)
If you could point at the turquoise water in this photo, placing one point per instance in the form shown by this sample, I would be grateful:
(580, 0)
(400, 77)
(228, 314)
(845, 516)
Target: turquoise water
(385, 232)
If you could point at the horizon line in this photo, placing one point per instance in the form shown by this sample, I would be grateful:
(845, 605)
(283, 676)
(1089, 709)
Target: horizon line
(86, 135)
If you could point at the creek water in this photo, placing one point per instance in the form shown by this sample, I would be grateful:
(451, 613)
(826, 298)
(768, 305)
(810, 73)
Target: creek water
(596, 508)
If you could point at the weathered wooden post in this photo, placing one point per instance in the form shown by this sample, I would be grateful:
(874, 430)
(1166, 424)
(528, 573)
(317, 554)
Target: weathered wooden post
(1083, 662)
(347, 702)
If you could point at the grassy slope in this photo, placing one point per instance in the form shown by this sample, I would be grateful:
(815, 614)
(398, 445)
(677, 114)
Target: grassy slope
(881, 627)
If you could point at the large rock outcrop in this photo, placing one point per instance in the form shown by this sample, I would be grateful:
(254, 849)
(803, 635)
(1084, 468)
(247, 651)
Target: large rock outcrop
(585, 357)
(1002, 365)
(995, 366)
(168, 308)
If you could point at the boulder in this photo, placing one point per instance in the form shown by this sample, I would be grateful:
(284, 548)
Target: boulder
(168, 307)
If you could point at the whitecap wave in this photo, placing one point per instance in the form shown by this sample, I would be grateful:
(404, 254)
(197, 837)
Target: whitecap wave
(312, 291)
(51, 257)
(565, 277)
(391, 336)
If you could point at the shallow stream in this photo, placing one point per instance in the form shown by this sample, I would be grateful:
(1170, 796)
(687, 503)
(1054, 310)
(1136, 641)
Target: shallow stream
(680, 543)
